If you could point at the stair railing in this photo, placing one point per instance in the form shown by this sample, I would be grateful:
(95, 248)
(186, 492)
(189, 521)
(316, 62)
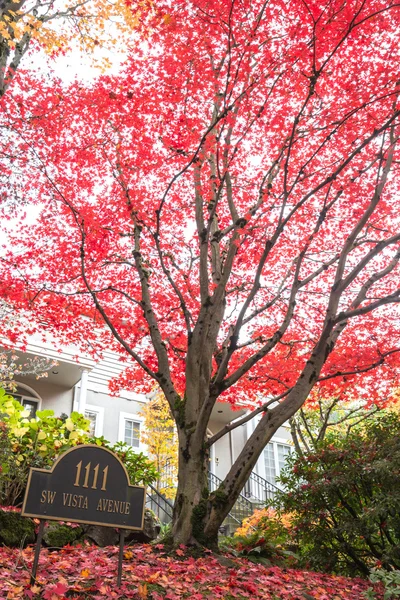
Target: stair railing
(162, 507)
(242, 507)
(259, 488)
(261, 491)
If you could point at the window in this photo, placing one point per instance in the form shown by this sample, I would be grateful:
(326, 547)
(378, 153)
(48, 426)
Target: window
(275, 455)
(130, 426)
(283, 452)
(31, 404)
(95, 415)
(269, 460)
(92, 417)
(132, 433)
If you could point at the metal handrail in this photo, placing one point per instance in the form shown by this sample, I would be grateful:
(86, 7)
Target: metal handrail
(259, 488)
(242, 507)
(168, 476)
(157, 499)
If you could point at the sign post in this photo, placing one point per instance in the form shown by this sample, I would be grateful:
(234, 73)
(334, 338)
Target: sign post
(86, 484)
(37, 552)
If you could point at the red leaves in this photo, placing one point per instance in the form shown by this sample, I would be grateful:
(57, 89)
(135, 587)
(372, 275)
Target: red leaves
(159, 577)
(54, 592)
(279, 178)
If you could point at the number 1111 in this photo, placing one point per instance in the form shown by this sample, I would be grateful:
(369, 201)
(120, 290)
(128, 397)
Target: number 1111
(87, 475)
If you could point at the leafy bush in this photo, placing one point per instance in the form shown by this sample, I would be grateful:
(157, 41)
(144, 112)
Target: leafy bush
(57, 535)
(15, 530)
(36, 442)
(267, 522)
(390, 581)
(31, 442)
(345, 500)
(141, 470)
(263, 537)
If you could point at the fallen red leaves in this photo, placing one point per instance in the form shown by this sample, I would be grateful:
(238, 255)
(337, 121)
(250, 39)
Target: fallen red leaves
(84, 572)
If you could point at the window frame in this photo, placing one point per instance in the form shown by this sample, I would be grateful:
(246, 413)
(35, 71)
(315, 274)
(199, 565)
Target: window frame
(30, 396)
(124, 416)
(99, 410)
(275, 443)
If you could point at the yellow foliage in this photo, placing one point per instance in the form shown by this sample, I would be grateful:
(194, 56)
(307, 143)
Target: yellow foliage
(261, 518)
(160, 437)
(84, 21)
(68, 24)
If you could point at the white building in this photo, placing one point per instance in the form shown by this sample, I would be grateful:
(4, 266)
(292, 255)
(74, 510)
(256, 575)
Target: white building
(80, 383)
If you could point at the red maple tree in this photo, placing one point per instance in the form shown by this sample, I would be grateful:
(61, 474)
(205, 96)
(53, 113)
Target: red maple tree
(227, 207)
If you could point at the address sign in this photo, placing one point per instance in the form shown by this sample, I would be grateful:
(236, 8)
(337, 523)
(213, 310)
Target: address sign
(87, 484)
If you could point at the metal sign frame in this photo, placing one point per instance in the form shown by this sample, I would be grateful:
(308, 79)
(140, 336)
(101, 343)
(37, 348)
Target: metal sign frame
(93, 482)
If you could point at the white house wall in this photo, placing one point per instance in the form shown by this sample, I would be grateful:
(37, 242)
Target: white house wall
(113, 407)
(112, 411)
(227, 449)
(53, 397)
(108, 368)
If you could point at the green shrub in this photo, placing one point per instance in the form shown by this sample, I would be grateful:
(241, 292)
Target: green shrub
(344, 500)
(37, 442)
(263, 537)
(31, 442)
(57, 535)
(141, 470)
(15, 530)
(390, 582)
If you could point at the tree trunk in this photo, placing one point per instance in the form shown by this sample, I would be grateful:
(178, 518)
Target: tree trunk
(198, 514)
(191, 503)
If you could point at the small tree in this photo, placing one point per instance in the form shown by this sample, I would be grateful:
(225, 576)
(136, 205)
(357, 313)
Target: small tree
(11, 366)
(321, 419)
(161, 440)
(345, 499)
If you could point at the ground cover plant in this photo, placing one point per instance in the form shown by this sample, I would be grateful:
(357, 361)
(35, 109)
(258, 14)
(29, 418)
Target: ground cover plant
(87, 572)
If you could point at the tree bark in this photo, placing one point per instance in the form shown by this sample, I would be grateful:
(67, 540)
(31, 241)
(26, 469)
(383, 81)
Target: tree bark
(191, 503)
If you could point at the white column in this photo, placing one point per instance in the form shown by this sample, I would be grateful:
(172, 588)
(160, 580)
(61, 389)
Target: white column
(212, 459)
(83, 392)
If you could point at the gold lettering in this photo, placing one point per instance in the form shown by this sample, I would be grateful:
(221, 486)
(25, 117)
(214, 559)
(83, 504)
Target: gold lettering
(85, 503)
(78, 473)
(50, 496)
(65, 498)
(43, 498)
(105, 473)
(96, 473)
(87, 469)
(74, 501)
(112, 506)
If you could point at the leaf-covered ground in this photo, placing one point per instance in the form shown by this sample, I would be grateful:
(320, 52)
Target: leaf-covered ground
(87, 572)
